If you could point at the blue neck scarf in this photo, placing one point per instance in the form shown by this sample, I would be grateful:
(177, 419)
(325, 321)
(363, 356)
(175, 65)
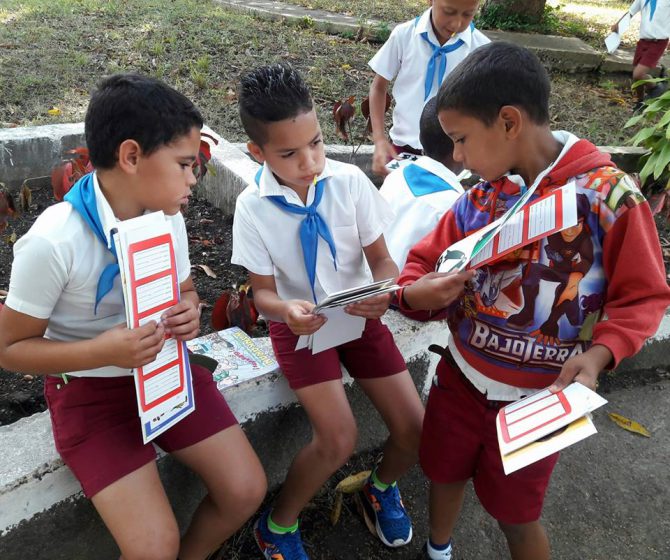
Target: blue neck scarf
(82, 198)
(422, 182)
(312, 226)
(652, 8)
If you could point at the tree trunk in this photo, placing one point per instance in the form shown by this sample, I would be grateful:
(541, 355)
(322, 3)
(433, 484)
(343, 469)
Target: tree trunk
(530, 11)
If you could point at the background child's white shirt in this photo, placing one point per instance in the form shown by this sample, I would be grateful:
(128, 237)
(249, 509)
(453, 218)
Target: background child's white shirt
(657, 28)
(266, 239)
(55, 274)
(405, 57)
(415, 216)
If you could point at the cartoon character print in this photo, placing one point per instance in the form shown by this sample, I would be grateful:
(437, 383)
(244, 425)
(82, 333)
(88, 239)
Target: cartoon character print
(570, 254)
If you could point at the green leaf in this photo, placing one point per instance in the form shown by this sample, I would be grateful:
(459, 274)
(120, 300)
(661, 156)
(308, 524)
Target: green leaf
(662, 161)
(648, 167)
(643, 135)
(665, 119)
(633, 121)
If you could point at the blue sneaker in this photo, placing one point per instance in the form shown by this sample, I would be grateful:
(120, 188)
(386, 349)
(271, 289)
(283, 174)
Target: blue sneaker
(278, 547)
(392, 524)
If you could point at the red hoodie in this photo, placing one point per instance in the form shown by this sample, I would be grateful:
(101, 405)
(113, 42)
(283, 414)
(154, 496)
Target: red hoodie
(521, 318)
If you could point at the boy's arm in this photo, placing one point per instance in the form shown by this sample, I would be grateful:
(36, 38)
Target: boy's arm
(636, 300)
(297, 314)
(423, 288)
(24, 349)
(384, 151)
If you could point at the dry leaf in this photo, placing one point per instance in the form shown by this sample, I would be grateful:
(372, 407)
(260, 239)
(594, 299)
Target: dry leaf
(25, 197)
(350, 485)
(54, 111)
(337, 509)
(630, 425)
(208, 271)
(12, 237)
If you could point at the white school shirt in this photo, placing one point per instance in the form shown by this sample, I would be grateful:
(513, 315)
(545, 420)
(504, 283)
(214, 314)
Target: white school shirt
(55, 274)
(266, 238)
(405, 57)
(659, 26)
(416, 215)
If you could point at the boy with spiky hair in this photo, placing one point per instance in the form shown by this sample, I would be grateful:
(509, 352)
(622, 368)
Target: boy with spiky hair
(561, 310)
(65, 319)
(305, 228)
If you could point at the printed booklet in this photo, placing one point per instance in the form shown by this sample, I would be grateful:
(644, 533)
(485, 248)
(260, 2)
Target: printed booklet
(537, 426)
(239, 357)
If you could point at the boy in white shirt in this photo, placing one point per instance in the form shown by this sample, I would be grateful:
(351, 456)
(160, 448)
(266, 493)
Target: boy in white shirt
(65, 319)
(420, 192)
(419, 55)
(654, 35)
(301, 240)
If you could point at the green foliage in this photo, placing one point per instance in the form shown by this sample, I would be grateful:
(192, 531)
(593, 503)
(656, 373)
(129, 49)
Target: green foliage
(654, 136)
(497, 16)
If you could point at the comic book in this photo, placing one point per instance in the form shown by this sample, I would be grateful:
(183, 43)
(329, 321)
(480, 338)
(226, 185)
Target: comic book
(239, 357)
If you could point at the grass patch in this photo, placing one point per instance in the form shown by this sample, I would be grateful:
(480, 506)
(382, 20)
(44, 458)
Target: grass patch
(52, 54)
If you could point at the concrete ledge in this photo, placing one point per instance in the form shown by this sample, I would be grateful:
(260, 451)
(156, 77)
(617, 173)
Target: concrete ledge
(39, 494)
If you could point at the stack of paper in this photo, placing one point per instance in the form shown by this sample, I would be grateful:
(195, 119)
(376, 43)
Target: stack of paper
(340, 326)
(145, 252)
(239, 357)
(537, 426)
(613, 40)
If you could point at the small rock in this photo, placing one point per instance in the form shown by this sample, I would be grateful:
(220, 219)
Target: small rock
(28, 377)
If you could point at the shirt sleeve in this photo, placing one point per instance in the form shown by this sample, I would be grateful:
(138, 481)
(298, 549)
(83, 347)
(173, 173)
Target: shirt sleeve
(180, 236)
(637, 292)
(388, 59)
(373, 213)
(39, 276)
(635, 7)
(249, 250)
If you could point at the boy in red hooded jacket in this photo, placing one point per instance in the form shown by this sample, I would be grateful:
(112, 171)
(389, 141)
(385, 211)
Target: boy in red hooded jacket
(562, 309)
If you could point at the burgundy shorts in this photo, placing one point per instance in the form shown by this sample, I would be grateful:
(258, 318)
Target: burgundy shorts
(649, 51)
(373, 355)
(97, 429)
(407, 149)
(459, 442)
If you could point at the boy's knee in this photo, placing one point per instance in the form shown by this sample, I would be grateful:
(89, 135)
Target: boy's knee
(519, 533)
(248, 495)
(337, 447)
(154, 545)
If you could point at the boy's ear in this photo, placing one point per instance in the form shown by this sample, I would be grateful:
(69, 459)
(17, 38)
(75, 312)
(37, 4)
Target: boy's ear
(129, 153)
(512, 120)
(256, 151)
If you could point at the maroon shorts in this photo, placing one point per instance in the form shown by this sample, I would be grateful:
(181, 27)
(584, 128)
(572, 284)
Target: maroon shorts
(407, 149)
(459, 442)
(373, 355)
(97, 428)
(649, 51)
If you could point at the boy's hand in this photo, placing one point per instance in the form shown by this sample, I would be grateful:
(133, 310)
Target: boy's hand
(131, 348)
(615, 27)
(584, 368)
(384, 152)
(370, 308)
(300, 319)
(436, 290)
(182, 321)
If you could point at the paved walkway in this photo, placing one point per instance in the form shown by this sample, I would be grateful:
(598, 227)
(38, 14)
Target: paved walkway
(567, 54)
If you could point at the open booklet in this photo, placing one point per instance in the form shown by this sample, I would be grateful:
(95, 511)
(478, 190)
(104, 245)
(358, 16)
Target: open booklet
(522, 224)
(340, 326)
(237, 356)
(537, 426)
(145, 251)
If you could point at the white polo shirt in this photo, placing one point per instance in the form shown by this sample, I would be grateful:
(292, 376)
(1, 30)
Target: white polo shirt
(659, 26)
(266, 239)
(416, 216)
(55, 273)
(405, 57)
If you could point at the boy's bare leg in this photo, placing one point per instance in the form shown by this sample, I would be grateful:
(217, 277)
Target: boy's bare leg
(444, 506)
(527, 541)
(641, 72)
(399, 404)
(236, 484)
(333, 441)
(137, 513)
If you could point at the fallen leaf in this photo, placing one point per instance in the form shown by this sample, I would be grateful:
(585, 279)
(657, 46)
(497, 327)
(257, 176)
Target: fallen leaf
(208, 271)
(630, 425)
(337, 509)
(346, 67)
(353, 483)
(54, 111)
(206, 221)
(25, 197)
(12, 237)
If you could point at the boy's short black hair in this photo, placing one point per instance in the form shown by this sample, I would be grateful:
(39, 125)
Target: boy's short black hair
(436, 144)
(135, 107)
(495, 75)
(270, 94)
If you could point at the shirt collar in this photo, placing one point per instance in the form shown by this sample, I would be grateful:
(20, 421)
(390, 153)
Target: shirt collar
(425, 26)
(269, 186)
(108, 220)
(441, 170)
